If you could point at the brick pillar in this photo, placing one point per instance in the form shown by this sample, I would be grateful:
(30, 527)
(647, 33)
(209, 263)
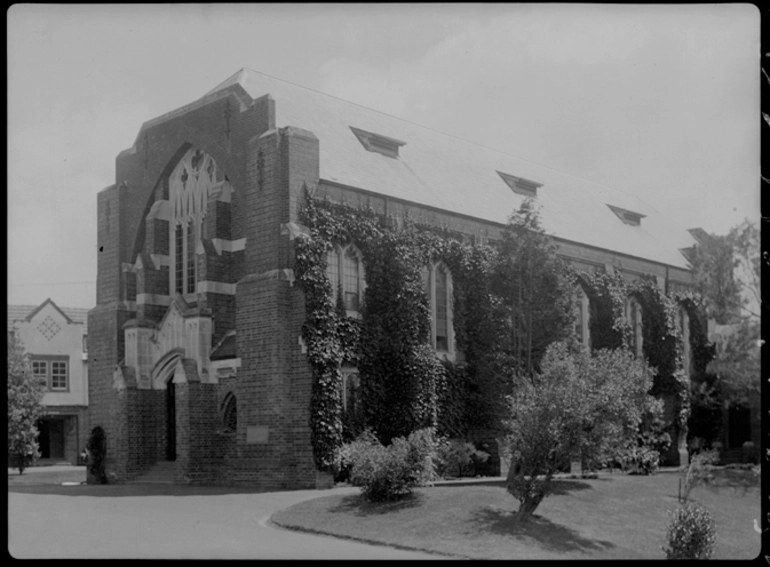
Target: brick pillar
(274, 380)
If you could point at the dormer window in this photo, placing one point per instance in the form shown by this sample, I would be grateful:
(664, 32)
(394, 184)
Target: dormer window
(378, 143)
(519, 185)
(628, 217)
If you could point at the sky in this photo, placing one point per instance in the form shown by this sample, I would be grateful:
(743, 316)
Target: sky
(658, 101)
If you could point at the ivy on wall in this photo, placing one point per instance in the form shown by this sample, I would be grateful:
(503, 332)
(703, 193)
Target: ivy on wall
(403, 384)
(662, 338)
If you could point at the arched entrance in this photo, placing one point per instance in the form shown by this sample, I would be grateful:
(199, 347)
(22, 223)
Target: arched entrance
(163, 378)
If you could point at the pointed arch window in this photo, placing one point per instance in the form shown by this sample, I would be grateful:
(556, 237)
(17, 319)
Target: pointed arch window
(345, 270)
(438, 282)
(333, 271)
(190, 185)
(582, 317)
(634, 319)
(350, 389)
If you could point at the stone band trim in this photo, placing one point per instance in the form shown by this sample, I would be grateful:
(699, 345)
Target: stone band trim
(161, 260)
(152, 299)
(216, 287)
(228, 245)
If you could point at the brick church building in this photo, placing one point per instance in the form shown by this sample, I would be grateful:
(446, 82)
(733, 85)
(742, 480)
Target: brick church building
(196, 360)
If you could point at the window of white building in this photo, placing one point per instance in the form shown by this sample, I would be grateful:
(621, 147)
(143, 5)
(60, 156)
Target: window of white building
(53, 369)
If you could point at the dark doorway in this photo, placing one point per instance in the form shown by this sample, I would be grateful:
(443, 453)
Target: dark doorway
(50, 438)
(170, 421)
(42, 439)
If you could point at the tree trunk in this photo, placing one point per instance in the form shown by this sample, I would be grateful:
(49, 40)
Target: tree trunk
(527, 508)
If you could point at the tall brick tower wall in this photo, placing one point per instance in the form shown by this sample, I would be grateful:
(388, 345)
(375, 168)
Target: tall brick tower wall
(245, 261)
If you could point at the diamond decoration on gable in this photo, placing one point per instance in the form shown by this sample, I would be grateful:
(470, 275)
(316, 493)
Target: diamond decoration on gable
(49, 328)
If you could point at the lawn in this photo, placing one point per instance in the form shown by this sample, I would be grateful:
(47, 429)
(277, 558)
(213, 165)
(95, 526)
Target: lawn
(615, 516)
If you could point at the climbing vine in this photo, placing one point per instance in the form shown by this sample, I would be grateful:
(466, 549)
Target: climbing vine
(662, 338)
(403, 384)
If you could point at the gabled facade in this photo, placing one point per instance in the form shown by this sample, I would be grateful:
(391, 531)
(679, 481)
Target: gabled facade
(55, 339)
(197, 354)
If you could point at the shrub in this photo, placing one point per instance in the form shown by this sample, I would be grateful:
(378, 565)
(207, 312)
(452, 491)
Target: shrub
(455, 455)
(641, 460)
(579, 405)
(691, 534)
(389, 473)
(97, 452)
(698, 472)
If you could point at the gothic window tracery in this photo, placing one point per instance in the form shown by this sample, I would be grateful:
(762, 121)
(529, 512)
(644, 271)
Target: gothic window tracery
(190, 184)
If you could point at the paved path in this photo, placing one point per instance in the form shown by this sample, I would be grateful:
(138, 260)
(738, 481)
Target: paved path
(148, 521)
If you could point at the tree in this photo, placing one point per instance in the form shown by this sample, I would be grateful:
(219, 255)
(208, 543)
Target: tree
(25, 395)
(533, 292)
(727, 274)
(577, 404)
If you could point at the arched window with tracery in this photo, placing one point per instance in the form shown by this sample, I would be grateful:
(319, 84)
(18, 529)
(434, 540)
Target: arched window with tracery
(190, 184)
(581, 317)
(345, 266)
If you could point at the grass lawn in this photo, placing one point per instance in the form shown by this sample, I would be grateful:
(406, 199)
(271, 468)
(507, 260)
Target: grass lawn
(615, 516)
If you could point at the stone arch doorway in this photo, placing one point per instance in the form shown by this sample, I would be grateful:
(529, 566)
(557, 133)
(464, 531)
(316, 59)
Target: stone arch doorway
(164, 378)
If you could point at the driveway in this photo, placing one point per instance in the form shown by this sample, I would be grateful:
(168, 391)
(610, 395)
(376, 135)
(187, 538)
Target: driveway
(49, 520)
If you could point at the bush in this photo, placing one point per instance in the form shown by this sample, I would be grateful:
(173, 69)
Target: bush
(700, 471)
(691, 534)
(455, 456)
(641, 460)
(389, 473)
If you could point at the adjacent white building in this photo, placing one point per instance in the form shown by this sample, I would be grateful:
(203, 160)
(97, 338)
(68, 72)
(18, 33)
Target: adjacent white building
(56, 340)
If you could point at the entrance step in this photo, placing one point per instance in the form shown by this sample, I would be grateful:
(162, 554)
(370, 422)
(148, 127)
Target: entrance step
(161, 472)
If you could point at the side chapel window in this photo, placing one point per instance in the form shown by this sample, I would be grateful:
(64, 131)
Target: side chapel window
(190, 184)
(634, 318)
(581, 317)
(438, 284)
(683, 320)
(351, 385)
(346, 266)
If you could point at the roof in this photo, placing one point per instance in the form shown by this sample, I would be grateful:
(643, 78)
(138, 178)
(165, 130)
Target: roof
(439, 170)
(22, 312)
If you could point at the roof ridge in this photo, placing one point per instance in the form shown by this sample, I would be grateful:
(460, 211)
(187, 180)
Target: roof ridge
(241, 71)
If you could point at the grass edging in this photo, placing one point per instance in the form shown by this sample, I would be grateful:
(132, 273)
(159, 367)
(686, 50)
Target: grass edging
(271, 522)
